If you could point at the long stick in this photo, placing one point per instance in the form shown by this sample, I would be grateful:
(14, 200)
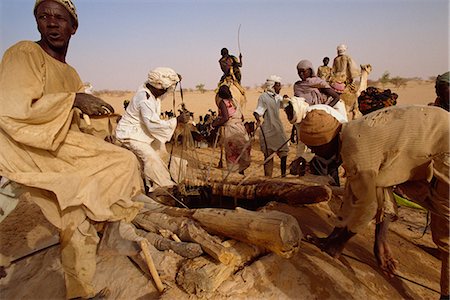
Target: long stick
(151, 265)
(239, 43)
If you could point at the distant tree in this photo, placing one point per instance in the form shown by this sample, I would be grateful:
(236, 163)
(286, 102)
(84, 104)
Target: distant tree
(398, 81)
(432, 78)
(201, 88)
(385, 78)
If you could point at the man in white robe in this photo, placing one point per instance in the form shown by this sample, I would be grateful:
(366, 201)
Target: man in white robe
(142, 130)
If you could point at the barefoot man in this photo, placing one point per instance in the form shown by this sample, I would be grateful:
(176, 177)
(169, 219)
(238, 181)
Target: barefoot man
(407, 147)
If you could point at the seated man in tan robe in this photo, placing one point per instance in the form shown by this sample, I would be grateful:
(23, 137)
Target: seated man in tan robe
(386, 148)
(76, 179)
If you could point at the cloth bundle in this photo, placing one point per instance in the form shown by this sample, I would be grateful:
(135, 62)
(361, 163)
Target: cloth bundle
(374, 98)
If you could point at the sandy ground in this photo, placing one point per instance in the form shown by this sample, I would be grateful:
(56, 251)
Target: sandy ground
(310, 274)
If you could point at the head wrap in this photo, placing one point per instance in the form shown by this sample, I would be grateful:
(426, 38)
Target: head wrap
(444, 78)
(306, 64)
(270, 82)
(163, 78)
(68, 5)
(341, 49)
(318, 128)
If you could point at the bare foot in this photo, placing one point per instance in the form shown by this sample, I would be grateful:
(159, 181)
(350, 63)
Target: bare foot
(385, 259)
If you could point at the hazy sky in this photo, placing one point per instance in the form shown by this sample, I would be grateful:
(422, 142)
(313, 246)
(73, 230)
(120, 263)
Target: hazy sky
(119, 41)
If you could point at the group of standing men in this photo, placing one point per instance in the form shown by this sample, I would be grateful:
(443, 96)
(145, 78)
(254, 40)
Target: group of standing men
(79, 180)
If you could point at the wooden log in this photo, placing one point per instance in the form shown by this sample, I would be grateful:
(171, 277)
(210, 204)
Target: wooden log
(188, 250)
(200, 275)
(289, 192)
(128, 233)
(276, 231)
(154, 206)
(187, 230)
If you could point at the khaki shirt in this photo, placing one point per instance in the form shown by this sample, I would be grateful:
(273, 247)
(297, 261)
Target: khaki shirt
(386, 148)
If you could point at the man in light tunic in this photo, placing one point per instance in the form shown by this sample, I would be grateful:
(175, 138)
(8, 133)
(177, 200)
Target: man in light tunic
(344, 69)
(324, 71)
(142, 130)
(272, 135)
(76, 179)
(405, 147)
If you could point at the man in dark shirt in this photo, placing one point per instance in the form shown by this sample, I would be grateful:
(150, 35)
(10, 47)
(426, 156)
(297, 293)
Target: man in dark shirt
(230, 65)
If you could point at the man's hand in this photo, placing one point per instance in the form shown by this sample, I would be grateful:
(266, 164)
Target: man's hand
(184, 117)
(257, 118)
(91, 105)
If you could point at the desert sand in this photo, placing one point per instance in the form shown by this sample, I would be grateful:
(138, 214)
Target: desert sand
(310, 274)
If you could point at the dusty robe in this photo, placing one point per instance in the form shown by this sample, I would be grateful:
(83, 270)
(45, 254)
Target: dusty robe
(142, 130)
(272, 135)
(235, 138)
(324, 72)
(344, 69)
(75, 178)
(386, 148)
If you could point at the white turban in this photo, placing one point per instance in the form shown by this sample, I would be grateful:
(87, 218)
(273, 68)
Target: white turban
(270, 82)
(341, 49)
(163, 78)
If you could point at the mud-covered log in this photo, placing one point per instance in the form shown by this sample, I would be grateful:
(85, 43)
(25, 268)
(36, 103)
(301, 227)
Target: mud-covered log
(288, 192)
(188, 230)
(204, 275)
(188, 250)
(276, 231)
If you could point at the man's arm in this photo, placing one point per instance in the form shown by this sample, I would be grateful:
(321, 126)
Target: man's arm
(331, 93)
(237, 62)
(223, 115)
